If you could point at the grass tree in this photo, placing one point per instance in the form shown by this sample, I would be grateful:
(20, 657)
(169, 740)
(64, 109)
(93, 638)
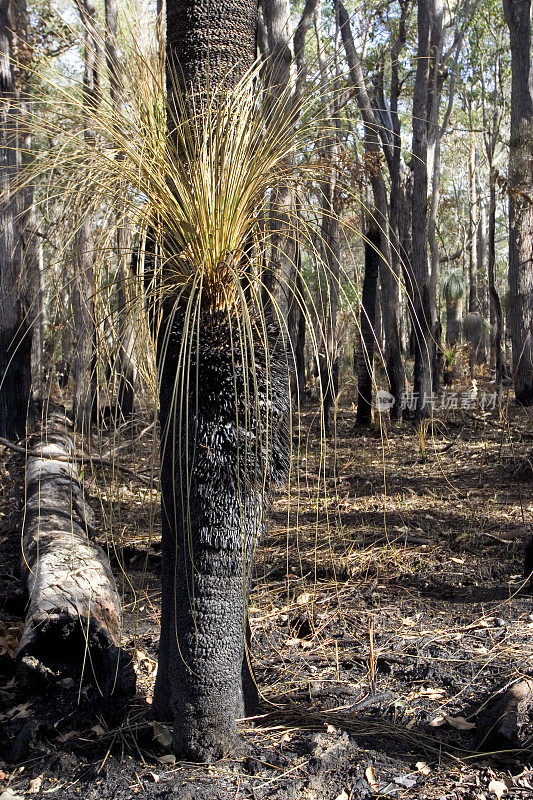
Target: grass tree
(222, 377)
(191, 159)
(452, 292)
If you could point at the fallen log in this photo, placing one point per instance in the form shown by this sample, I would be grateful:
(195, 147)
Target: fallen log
(73, 621)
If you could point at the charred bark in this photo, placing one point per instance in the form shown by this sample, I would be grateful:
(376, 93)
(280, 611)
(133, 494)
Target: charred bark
(15, 333)
(365, 370)
(518, 18)
(74, 621)
(217, 461)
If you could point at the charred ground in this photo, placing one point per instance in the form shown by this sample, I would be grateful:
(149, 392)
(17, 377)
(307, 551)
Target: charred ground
(388, 605)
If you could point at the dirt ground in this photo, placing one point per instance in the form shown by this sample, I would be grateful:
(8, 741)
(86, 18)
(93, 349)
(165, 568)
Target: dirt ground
(388, 606)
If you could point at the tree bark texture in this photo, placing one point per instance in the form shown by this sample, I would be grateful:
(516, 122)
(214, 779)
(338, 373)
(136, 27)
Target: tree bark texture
(212, 518)
(365, 367)
(85, 379)
(84, 367)
(495, 297)
(284, 53)
(518, 18)
(124, 362)
(15, 323)
(74, 621)
(214, 454)
(389, 267)
(419, 275)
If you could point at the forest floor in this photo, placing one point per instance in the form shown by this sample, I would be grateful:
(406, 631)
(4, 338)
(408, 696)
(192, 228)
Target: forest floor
(388, 605)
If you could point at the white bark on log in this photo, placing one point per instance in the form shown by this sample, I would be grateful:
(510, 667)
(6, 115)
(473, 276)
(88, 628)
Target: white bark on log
(74, 620)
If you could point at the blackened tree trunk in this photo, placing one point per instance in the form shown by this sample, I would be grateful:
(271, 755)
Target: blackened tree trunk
(473, 221)
(419, 274)
(492, 117)
(454, 310)
(15, 323)
(518, 18)
(494, 296)
(125, 360)
(365, 367)
(329, 300)
(212, 473)
(329, 266)
(389, 267)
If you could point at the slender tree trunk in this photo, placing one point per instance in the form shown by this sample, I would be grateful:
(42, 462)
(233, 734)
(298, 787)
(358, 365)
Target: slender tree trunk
(15, 322)
(495, 297)
(518, 17)
(365, 367)
(389, 268)
(84, 368)
(283, 52)
(125, 361)
(473, 304)
(329, 267)
(329, 299)
(421, 292)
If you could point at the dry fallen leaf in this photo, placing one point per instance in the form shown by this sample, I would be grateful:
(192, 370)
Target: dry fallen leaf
(422, 767)
(369, 774)
(432, 693)
(343, 796)
(168, 759)
(304, 599)
(21, 711)
(497, 788)
(286, 737)
(459, 723)
(35, 785)
(331, 729)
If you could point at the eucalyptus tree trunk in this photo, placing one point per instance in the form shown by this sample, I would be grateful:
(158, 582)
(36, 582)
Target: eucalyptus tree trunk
(284, 53)
(212, 496)
(84, 367)
(391, 282)
(473, 304)
(124, 362)
(329, 266)
(389, 268)
(15, 322)
(495, 297)
(420, 277)
(518, 18)
(365, 365)
(280, 272)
